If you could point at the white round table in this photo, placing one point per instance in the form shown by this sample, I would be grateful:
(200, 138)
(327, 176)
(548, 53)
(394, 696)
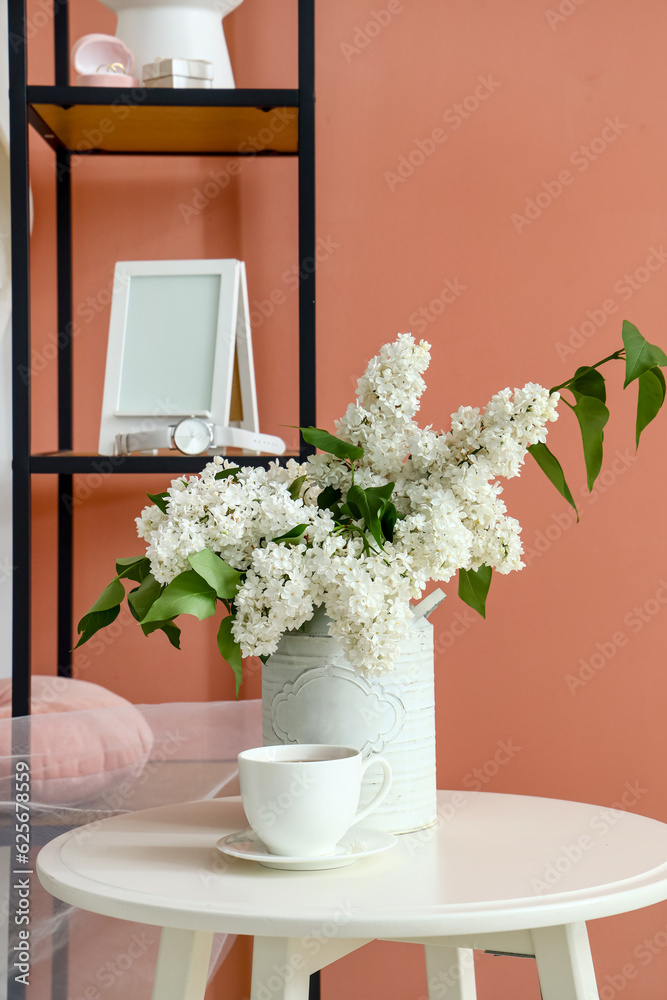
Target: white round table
(504, 873)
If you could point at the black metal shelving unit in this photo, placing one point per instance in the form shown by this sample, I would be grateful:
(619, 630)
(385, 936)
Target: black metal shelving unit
(152, 122)
(157, 122)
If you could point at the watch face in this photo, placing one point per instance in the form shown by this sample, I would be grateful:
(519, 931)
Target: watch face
(192, 436)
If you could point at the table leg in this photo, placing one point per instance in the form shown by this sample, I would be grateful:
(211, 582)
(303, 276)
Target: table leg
(564, 963)
(450, 972)
(279, 972)
(281, 967)
(182, 964)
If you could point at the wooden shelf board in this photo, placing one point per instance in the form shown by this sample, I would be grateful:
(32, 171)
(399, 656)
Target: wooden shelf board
(176, 129)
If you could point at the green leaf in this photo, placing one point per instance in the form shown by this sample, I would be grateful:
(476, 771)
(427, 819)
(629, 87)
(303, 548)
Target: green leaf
(588, 382)
(172, 632)
(94, 621)
(377, 495)
(640, 356)
(379, 504)
(112, 594)
(328, 498)
(295, 488)
(293, 536)
(102, 612)
(230, 650)
(350, 508)
(650, 399)
(474, 586)
(333, 445)
(355, 500)
(388, 521)
(142, 598)
(592, 416)
(358, 499)
(551, 467)
(188, 594)
(135, 568)
(160, 500)
(224, 579)
(226, 473)
(357, 503)
(371, 503)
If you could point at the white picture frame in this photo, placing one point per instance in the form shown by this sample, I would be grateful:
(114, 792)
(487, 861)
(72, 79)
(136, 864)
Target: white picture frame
(176, 330)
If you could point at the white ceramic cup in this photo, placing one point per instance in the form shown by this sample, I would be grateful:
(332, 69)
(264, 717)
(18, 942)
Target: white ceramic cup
(302, 798)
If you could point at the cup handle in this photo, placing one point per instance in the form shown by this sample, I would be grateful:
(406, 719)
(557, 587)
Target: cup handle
(384, 788)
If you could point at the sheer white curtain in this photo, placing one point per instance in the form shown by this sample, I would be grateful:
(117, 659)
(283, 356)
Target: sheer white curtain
(193, 756)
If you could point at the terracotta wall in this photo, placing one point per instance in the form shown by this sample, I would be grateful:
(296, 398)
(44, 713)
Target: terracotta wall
(491, 177)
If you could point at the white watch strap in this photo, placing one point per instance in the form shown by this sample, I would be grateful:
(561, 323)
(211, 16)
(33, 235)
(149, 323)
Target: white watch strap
(223, 437)
(144, 440)
(240, 437)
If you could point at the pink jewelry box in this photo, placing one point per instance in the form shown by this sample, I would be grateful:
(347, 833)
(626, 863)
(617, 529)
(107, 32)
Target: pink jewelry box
(102, 61)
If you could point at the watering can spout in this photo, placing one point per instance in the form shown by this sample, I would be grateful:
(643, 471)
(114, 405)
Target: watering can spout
(429, 604)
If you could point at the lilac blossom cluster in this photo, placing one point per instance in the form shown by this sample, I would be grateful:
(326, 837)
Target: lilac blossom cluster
(446, 493)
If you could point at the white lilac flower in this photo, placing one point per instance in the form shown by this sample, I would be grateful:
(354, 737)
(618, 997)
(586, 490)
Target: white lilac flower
(446, 492)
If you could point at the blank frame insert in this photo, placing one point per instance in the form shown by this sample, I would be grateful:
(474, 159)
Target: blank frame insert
(170, 341)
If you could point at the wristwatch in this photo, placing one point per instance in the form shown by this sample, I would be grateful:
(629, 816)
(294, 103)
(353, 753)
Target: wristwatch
(194, 436)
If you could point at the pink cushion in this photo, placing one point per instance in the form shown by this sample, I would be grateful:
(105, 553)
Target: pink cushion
(84, 739)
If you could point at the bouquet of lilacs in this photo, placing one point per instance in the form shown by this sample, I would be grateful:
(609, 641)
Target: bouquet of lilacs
(362, 528)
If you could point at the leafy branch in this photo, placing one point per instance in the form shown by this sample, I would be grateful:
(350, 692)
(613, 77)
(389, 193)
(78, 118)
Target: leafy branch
(368, 514)
(195, 591)
(643, 362)
(372, 507)
(587, 387)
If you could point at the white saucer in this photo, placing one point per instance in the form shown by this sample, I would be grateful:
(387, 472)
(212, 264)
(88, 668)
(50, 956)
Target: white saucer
(357, 843)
